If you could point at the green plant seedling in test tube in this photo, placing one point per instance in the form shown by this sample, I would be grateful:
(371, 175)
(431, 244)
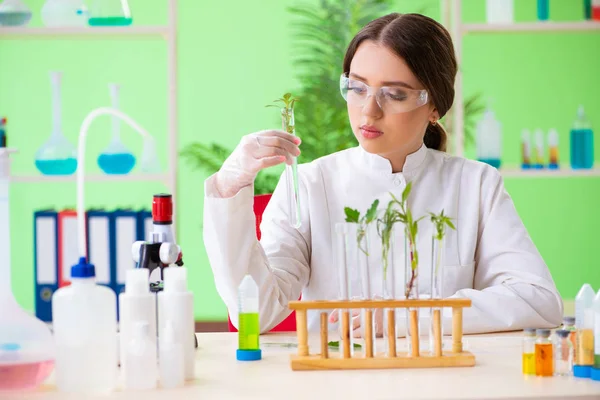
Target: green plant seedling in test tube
(248, 325)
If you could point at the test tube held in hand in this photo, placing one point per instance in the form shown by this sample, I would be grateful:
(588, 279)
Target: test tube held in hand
(291, 171)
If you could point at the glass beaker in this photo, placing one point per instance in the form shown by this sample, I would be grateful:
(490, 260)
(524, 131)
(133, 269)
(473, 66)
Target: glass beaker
(149, 162)
(109, 13)
(116, 159)
(26, 343)
(64, 13)
(14, 13)
(57, 156)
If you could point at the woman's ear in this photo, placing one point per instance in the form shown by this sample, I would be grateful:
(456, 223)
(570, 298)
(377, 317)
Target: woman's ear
(434, 116)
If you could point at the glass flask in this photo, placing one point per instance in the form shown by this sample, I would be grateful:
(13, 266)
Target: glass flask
(64, 13)
(26, 343)
(14, 13)
(109, 13)
(58, 156)
(116, 159)
(149, 160)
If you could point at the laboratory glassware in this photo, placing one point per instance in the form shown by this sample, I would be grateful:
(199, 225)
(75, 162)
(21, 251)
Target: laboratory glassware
(248, 321)
(391, 275)
(582, 142)
(543, 10)
(538, 159)
(499, 11)
(116, 159)
(149, 162)
(525, 149)
(544, 354)
(528, 351)
(57, 156)
(489, 138)
(176, 304)
(370, 283)
(14, 13)
(595, 10)
(438, 240)
(3, 142)
(346, 259)
(85, 329)
(596, 312)
(57, 13)
(411, 292)
(569, 325)
(564, 353)
(553, 149)
(141, 367)
(291, 171)
(26, 345)
(109, 13)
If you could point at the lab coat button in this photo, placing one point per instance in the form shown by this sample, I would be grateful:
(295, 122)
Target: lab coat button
(397, 181)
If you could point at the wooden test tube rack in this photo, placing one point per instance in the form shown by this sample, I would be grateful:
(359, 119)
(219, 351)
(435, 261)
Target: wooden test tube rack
(391, 359)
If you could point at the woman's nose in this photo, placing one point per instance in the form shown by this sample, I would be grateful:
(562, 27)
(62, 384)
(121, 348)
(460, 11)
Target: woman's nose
(371, 107)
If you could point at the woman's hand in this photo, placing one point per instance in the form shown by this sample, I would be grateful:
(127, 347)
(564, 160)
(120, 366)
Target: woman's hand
(255, 152)
(355, 323)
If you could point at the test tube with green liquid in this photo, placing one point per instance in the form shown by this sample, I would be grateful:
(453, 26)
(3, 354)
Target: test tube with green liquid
(248, 321)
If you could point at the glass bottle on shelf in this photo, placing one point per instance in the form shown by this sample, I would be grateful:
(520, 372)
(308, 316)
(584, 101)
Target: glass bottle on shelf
(64, 13)
(544, 353)
(564, 353)
(529, 339)
(109, 13)
(116, 159)
(57, 156)
(14, 13)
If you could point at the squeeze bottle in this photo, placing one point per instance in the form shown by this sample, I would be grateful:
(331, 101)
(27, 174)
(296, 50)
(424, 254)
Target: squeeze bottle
(85, 329)
(582, 142)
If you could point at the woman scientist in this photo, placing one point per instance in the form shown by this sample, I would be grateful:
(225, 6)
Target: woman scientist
(398, 80)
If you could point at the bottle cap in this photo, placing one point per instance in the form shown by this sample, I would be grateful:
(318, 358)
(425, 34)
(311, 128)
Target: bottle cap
(248, 355)
(162, 209)
(569, 320)
(582, 371)
(137, 281)
(543, 332)
(175, 279)
(595, 374)
(563, 333)
(83, 269)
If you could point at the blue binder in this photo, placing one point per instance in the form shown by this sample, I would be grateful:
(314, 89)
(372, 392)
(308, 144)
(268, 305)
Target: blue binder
(45, 228)
(98, 244)
(123, 233)
(144, 226)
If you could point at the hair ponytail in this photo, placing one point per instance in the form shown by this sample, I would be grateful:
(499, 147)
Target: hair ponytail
(435, 137)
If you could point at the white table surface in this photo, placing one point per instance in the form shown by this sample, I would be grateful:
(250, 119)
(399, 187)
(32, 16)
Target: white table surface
(496, 375)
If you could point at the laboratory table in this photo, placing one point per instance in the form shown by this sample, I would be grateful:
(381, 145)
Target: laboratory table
(496, 375)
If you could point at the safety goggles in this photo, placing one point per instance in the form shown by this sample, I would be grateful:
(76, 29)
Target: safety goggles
(391, 99)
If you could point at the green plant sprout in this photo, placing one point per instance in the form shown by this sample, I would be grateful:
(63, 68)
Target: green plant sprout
(440, 222)
(363, 222)
(336, 345)
(384, 230)
(286, 103)
(411, 228)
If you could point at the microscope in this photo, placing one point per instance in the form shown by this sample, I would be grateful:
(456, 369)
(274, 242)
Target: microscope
(161, 251)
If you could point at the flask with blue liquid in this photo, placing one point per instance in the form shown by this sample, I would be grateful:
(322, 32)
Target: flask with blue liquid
(489, 138)
(582, 142)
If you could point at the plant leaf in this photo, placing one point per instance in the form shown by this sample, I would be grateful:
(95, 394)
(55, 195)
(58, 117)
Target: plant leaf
(352, 215)
(372, 211)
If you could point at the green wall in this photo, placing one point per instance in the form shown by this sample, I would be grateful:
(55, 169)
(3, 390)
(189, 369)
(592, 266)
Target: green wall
(233, 59)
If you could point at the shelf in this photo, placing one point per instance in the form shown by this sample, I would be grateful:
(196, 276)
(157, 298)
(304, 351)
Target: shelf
(565, 172)
(15, 32)
(549, 26)
(90, 178)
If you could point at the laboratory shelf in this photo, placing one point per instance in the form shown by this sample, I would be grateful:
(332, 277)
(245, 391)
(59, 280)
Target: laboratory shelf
(20, 32)
(565, 172)
(549, 26)
(137, 177)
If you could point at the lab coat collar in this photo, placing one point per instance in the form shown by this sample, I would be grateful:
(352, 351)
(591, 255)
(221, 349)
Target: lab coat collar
(413, 163)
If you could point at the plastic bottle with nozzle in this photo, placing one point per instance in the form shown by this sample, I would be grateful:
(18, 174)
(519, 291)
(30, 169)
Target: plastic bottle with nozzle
(141, 368)
(136, 304)
(584, 323)
(176, 304)
(172, 373)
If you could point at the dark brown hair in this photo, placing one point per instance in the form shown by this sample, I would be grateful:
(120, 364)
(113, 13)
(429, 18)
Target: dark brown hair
(426, 47)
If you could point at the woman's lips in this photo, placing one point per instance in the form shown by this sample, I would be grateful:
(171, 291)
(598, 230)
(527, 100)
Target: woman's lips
(370, 132)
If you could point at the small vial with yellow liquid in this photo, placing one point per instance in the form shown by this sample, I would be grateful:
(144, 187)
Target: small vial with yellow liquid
(248, 321)
(553, 149)
(544, 354)
(529, 351)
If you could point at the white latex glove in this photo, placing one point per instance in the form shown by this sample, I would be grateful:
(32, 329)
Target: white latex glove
(255, 151)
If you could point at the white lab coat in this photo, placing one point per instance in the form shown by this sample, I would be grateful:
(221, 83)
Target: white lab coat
(490, 258)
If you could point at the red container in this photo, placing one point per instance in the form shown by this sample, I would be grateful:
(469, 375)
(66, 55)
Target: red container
(288, 324)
